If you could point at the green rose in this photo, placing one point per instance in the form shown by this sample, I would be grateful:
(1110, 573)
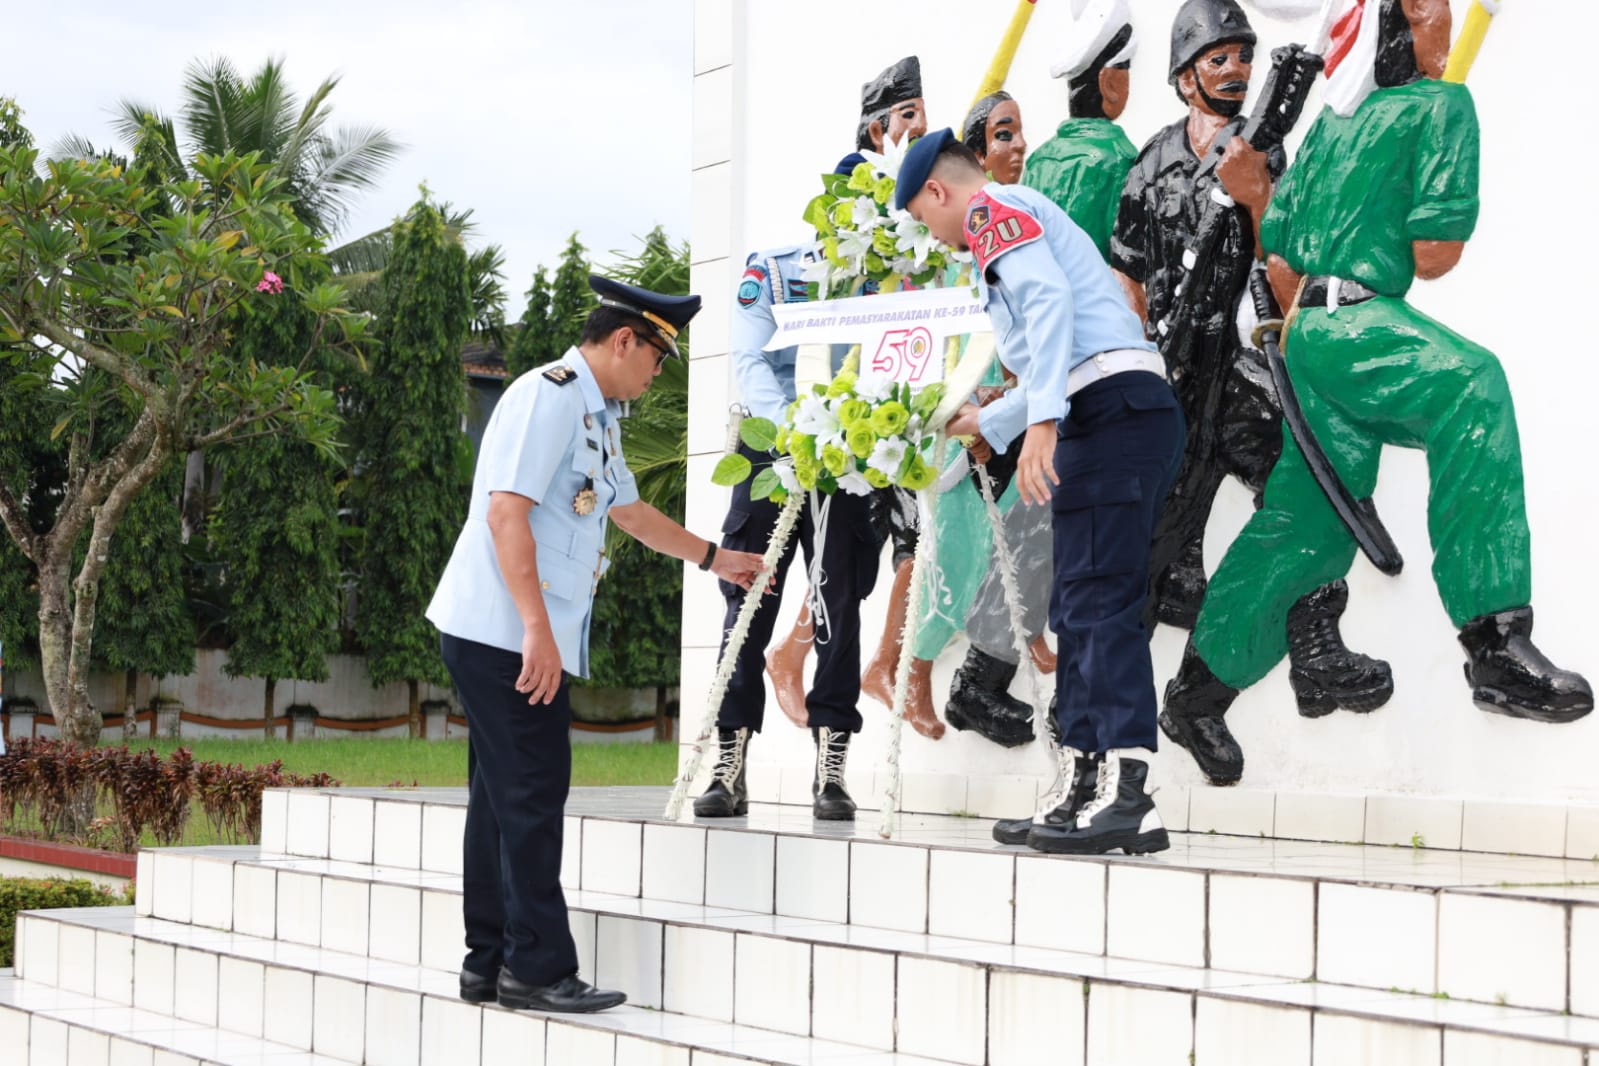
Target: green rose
(781, 444)
(890, 419)
(801, 444)
(834, 459)
(852, 411)
(883, 189)
(919, 476)
(860, 439)
(876, 478)
(863, 178)
(842, 385)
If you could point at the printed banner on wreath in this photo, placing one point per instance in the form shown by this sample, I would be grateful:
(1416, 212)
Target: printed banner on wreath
(901, 334)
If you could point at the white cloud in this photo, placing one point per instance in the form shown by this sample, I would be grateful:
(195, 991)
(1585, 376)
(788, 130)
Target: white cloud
(543, 118)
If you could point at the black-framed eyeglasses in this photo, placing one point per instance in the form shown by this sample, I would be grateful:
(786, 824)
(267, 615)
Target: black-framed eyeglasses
(662, 353)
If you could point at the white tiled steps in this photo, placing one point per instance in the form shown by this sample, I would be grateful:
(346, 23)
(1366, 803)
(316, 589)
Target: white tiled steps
(1504, 929)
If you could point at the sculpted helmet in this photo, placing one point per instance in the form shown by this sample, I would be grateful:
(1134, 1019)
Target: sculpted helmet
(1201, 25)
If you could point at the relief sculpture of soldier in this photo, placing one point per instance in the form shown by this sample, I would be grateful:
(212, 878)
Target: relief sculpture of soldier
(1383, 191)
(1189, 298)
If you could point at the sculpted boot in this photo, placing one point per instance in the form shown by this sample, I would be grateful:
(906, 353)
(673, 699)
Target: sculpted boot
(1075, 775)
(830, 800)
(979, 700)
(1181, 589)
(1121, 814)
(1192, 714)
(728, 795)
(1325, 674)
(1508, 675)
(785, 665)
(919, 713)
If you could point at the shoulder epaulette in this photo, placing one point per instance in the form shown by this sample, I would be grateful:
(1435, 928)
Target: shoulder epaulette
(561, 374)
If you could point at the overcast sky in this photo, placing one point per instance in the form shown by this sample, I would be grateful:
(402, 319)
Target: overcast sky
(543, 118)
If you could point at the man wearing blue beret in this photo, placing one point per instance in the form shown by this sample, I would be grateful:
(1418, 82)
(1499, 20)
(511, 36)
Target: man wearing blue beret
(1102, 438)
(513, 607)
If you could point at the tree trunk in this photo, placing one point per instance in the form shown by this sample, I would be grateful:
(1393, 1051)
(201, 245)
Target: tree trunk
(65, 688)
(415, 709)
(130, 723)
(271, 710)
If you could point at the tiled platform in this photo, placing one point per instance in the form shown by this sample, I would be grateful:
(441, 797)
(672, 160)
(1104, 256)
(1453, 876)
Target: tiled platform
(775, 939)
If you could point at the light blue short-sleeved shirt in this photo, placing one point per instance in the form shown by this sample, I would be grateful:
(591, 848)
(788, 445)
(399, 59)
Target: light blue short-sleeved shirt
(1053, 301)
(552, 435)
(766, 379)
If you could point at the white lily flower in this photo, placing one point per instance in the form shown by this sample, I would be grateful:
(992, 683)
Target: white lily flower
(854, 483)
(873, 389)
(784, 469)
(853, 246)
(819, 270)
(814, 419)
(887, 456)
(889, 160)
(915, 238)
(864, 214)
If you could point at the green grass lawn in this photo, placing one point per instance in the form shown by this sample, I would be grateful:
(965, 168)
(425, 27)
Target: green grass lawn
(398, 760)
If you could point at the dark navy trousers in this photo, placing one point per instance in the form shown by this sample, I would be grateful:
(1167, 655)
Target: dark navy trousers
(850, 553)
(1117, 453)
(520, 768)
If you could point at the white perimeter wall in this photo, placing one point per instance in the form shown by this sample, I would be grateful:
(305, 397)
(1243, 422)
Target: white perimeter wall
(775, 104)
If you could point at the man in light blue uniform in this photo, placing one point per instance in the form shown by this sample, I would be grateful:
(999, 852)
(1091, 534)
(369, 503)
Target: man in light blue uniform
(513, 606)
(1103, 440)
(849, 560)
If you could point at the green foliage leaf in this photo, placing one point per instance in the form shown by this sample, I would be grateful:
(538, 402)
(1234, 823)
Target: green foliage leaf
(731, 470)
(765, 483)
(759, 434)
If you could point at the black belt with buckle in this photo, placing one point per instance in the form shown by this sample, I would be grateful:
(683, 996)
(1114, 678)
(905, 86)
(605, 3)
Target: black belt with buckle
(1314, 294)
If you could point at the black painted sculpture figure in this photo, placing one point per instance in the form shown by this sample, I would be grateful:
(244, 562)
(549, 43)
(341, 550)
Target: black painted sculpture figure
(1196, 182)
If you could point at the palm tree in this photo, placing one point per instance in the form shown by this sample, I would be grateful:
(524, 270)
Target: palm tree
(324, 169)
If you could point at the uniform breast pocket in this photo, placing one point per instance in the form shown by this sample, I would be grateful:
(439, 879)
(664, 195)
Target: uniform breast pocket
(1100, 527)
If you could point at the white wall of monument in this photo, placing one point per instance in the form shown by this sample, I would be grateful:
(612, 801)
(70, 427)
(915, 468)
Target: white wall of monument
(775, 104)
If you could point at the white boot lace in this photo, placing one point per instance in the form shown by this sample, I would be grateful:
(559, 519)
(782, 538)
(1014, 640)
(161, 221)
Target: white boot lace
(830, 757)
(730, 760)
(1106, 785)
(1065, 773)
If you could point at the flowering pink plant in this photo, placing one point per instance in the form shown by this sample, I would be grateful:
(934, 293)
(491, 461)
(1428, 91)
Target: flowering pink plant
(270, 283)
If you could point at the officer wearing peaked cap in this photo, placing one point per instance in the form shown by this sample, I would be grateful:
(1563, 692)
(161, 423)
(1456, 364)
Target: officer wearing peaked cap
(513, 608)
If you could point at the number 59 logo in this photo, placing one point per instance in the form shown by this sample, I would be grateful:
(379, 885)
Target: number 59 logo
(903, 355)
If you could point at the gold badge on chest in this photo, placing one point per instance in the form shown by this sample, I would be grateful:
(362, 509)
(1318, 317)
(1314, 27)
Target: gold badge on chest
(586, 499)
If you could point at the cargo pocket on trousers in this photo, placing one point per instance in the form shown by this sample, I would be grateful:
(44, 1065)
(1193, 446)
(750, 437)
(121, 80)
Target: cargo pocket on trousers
(1099, 527)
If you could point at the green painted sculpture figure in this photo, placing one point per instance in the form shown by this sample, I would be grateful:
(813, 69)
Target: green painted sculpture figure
(1082, 168)
(1383, 190)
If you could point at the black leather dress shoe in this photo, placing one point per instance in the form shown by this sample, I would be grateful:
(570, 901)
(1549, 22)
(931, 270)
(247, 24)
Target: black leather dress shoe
(475, 988)
(571, 995)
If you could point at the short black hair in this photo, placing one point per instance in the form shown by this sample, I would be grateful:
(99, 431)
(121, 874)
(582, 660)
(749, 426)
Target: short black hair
(604, 321)
(955, 154)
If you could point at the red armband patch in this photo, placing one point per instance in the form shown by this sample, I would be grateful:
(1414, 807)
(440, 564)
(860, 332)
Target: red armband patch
(993, 228)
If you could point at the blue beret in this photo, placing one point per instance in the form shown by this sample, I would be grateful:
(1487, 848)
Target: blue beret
(666, 315)
(917, 165)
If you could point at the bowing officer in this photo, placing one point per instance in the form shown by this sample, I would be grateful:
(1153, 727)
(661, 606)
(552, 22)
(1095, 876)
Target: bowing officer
(1102, 442)
(513, 608)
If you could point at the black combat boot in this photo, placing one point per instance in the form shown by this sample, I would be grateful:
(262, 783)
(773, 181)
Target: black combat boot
(1508, 675)
(728, 795)
(1192, 717)
(830, 800)
(1181, 589)
(1121, 814)
(979, 700)
(1325, 674)
(1075, 773)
